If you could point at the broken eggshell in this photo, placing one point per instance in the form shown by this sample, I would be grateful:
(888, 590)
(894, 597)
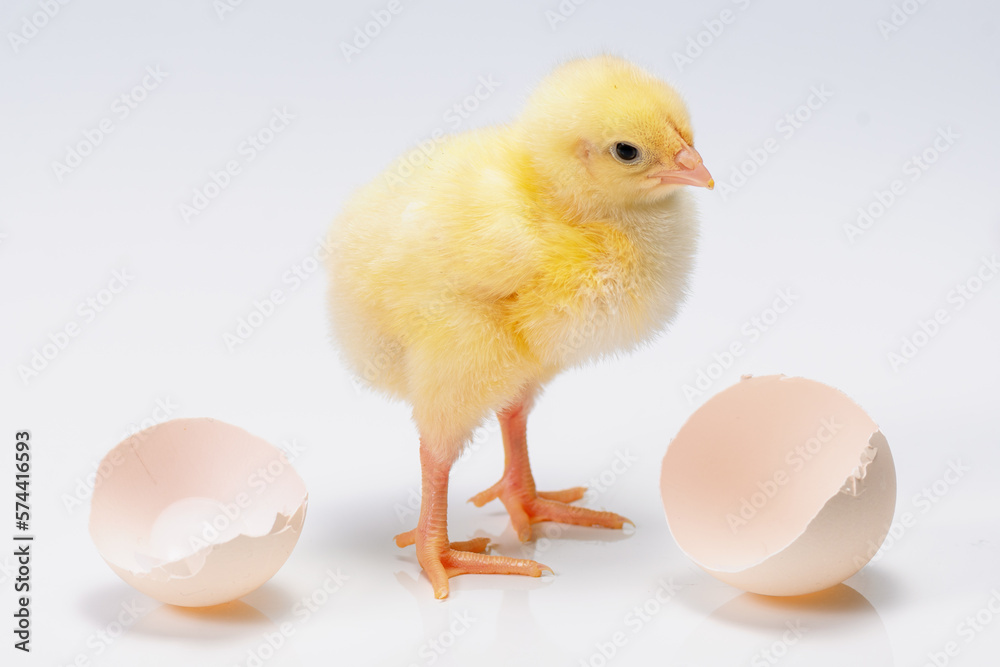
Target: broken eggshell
(196, 512)
(779, 485)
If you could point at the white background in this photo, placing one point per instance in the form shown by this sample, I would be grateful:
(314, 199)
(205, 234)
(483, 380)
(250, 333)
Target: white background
(161, 339)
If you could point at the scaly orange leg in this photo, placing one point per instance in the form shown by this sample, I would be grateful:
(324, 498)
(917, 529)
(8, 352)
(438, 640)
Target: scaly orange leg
(516, 489)
(440, 558)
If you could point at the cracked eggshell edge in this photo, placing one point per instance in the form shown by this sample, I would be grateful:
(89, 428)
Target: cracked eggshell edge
(265, 553)
(848, 523)
(218, 572)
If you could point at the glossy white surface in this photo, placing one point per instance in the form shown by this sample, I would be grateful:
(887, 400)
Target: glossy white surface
(156, 346)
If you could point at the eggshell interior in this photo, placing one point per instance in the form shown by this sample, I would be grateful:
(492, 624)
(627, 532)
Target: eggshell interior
(196, 512)
(779, 485)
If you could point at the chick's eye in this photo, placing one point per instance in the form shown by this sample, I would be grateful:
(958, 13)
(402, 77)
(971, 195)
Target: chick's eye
(625, 152)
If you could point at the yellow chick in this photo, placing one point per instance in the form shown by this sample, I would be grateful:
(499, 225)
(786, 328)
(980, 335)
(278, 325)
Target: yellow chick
(464, 285)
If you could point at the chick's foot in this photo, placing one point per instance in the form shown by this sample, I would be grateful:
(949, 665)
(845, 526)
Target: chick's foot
(477, 545)
(516, 489)
(442, 564)
(527, 506)
(442, 559)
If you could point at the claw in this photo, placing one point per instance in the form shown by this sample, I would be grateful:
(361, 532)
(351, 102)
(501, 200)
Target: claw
(516, 489)
(440, 558)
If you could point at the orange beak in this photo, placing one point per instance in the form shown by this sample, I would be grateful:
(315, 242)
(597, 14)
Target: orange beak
(690, 170)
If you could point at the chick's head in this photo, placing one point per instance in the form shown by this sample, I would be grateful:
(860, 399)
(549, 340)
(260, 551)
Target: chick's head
(607, 134)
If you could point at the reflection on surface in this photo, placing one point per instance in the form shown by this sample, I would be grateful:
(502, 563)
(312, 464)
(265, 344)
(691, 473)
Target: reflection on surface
(453, 624)
(222, 622)
(837, 626)
(234, 633)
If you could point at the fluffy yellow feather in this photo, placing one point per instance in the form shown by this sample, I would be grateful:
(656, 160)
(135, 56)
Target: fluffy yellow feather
(517, 251)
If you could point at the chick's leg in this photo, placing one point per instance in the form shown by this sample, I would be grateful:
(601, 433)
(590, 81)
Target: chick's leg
(440, 558)
(516, 489)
